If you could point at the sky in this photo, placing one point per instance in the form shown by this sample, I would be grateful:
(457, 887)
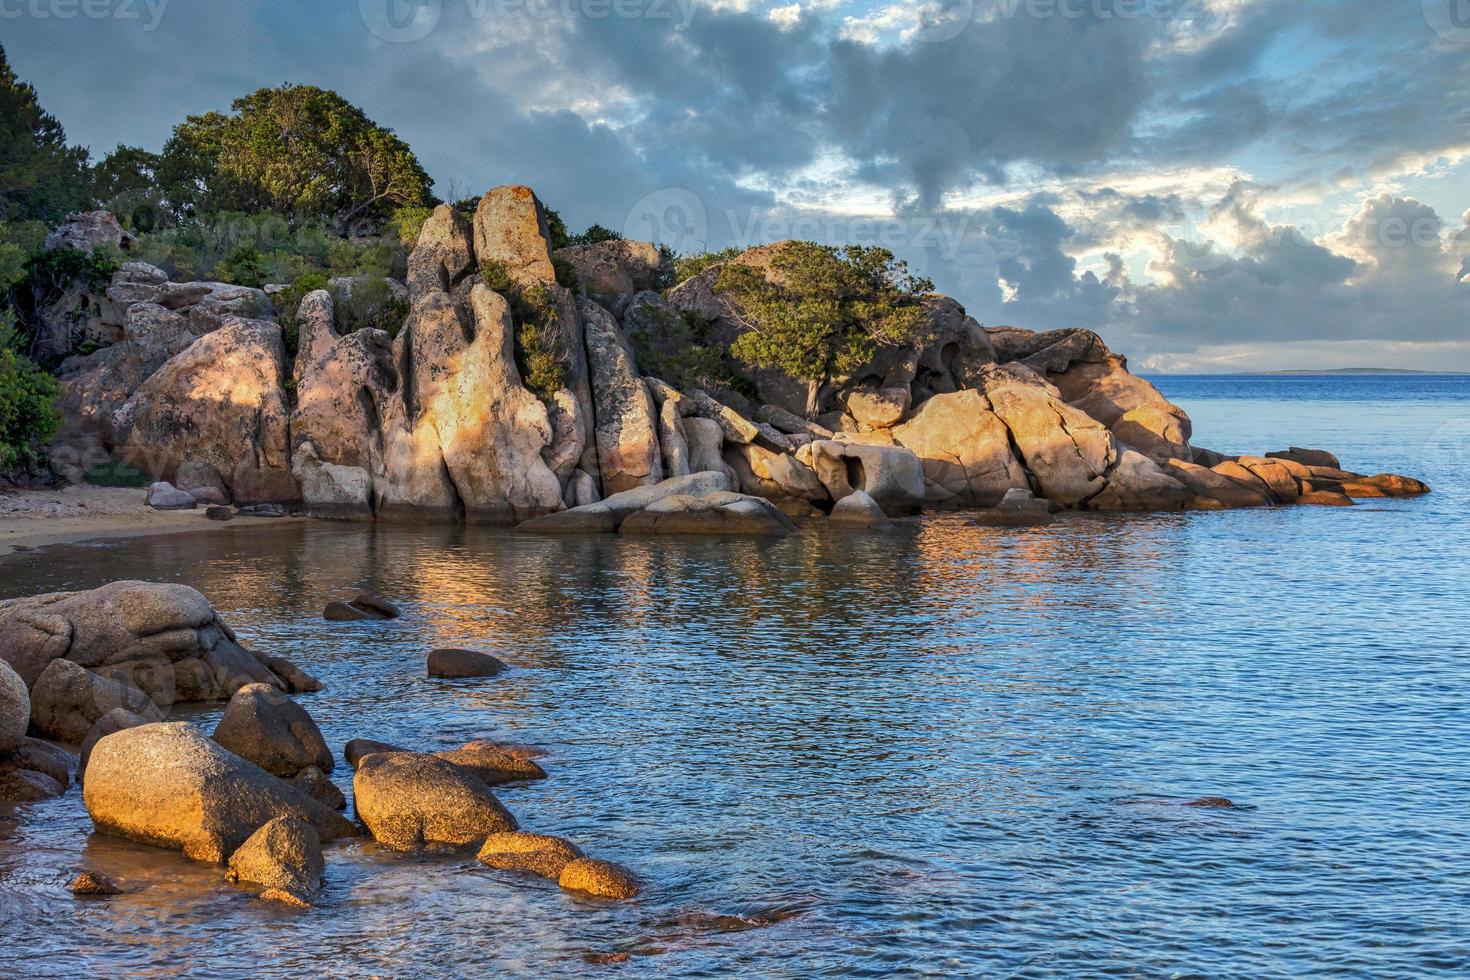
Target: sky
(1212, 185)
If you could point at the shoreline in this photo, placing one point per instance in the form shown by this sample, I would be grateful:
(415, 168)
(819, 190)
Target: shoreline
(34, 519)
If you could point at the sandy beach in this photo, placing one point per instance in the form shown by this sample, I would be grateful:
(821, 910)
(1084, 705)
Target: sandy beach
(36, 518)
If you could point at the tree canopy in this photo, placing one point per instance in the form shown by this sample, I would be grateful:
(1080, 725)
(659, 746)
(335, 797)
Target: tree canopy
(297, 150)
(821, 312)
(41, 177)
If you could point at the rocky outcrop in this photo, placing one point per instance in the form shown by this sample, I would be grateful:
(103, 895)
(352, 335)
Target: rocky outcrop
(169, 786)
(965, 450)
(891, 475)
(628, 451)
(413, 802)
(714, 513)
(609, 514)
(164, 640)
(1066, 451)
(86, 231)
(612, 269)
(510, 228)
(219, 403)
(264, 726)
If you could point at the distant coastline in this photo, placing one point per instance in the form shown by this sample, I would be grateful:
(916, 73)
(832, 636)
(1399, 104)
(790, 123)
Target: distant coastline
(1310, 372)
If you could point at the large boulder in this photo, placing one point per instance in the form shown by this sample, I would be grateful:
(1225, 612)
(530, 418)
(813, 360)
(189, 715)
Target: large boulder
(15, 709)
(775, 476)
(414, 802)
(115, 720)
(165, 640)
(511, 229)
(444, 255)
(496, 763)
(858, 510)
(891, 475)
(265, 727)
(600, 879)
(284, 857)
(222, 402)
(67, 700)
(965, 450)
(86, 231)
(628, 450)
(538, 854)
(169, 786)
(607, 270)
(1137, 483)
(1066, 451)
(715, 513)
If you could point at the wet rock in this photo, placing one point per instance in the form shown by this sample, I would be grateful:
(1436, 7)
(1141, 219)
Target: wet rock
(315, 783)
(858, 510)
(1307, 457)
(169, 786)
(165, 496)
(219, 514)
(365, 606)
(1019, 508)
(413, 802)
(284, 857)
(538, 854)
(92, 884)
(294, 679)
(360, 748)
(494, 762)
(15, 709)
(67, 699)
(263, 510)
(1211, 802)
(463, 663)
(262, 725)
(1325, 498)
(116, 720)
(616, 508)
(1394, 485)
(716, 513)
(44, 758)
(19, 785)
(165, 640)
(601, 879)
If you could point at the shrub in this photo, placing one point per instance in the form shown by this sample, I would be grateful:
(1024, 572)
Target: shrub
(688, 266)
(369, 304)
(566, 273)
(407, 223)
(539, 353)
(116, 473)
(288, 308)
(244, 266)
(677, 348)
(28, 415)
(593, 235)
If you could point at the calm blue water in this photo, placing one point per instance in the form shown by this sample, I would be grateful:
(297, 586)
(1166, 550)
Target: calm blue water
(946, 751)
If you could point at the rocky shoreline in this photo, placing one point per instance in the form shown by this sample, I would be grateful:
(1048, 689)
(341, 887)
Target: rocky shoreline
(86, 682)
(440, 424)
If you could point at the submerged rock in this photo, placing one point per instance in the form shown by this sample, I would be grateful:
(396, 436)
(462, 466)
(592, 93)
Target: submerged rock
(1019, 508)
(167, 785)
(538, 854)
(463, 663)
(412, 802)
(494, 762)
(715, 513)
(92, 884)
(601, 879)
(365, 606)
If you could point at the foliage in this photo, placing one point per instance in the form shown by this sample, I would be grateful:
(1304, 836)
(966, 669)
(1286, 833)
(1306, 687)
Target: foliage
(126, 183)
(593, 235)
(822, 312)
(19, 240)
(117, 473)
(41, 178)
(686, 267)
(408, 223)
(28, 415)
(244, 266)
(298, 151)
(566, 273)
(557, 230)
(369, 304)
(288, 308)
(539, 353)
(675, 347)
(47, 276)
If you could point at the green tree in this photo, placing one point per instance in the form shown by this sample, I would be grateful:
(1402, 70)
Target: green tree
(28, 415)
(126, 183)
(595, 234)
(297, 150)
(41, 178)
(822, 312)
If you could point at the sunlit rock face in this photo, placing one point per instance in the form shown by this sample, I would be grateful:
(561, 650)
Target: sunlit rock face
(438, 421)
(219, 403)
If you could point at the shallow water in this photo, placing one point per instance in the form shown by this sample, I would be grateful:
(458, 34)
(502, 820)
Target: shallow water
(946, 750)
